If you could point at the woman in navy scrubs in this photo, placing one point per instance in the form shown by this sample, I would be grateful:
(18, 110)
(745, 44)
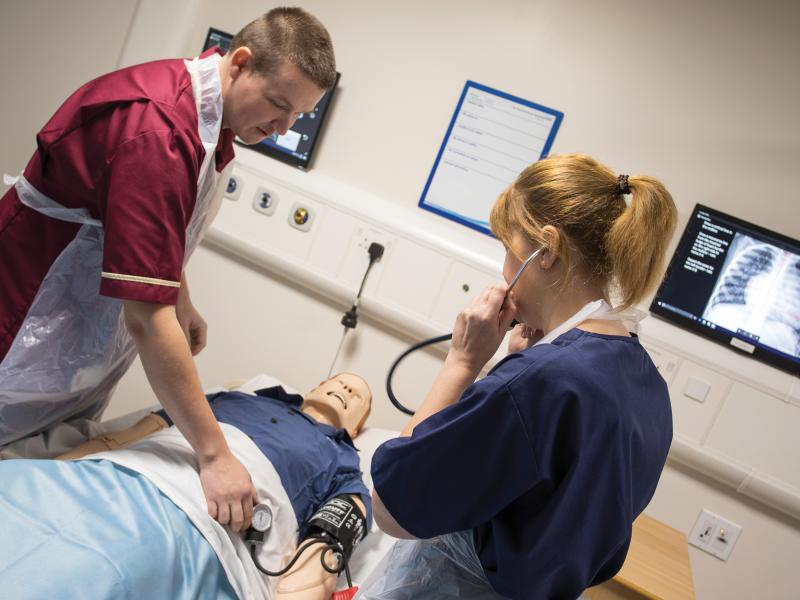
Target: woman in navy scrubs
(525, 484)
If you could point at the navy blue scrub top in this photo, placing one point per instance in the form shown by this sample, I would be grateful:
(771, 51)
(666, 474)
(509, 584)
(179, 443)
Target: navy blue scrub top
(548, 460)
(315, 461)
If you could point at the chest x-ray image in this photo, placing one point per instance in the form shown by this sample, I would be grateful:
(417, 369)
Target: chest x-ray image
(758, 293)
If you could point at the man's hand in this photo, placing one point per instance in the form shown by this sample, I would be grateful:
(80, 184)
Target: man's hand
(170, 370)
(229, 491)
(193, 325)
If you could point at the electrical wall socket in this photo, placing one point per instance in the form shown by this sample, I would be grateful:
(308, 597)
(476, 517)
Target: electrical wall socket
(364, 236)
(357, 257)
(666, 362)
(714, 534)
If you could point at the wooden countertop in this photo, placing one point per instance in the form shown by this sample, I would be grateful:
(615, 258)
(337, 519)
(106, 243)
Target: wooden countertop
(657, 565)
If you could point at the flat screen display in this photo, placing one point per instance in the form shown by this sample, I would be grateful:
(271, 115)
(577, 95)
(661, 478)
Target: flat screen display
(737, 284)
(297, 146)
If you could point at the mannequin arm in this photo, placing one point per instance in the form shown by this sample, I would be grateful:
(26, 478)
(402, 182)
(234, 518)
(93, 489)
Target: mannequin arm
(307, 580)
(117, 439)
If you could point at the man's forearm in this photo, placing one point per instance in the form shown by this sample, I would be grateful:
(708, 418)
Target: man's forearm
(170, 369)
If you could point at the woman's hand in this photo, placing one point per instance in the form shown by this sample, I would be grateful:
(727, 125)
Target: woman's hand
(523, 337)
(480, 328)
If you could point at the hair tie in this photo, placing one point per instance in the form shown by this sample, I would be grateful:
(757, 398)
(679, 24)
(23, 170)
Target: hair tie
(622, 185)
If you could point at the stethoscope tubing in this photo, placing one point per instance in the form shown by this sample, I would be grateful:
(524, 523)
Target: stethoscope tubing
(442, 338)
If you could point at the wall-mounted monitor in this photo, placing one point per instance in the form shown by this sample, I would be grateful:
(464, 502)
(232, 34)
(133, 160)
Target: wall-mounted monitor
(297, 146)
(738, 284)
(219, 38)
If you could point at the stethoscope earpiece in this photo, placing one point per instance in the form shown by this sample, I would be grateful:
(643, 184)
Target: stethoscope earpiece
(519, 272)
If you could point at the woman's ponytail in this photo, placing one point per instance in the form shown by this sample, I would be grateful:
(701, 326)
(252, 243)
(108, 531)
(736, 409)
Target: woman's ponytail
(637, 242)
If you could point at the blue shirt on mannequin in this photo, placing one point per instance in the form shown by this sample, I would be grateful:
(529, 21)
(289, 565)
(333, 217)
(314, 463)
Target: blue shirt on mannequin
(548, 460)
(315, 461)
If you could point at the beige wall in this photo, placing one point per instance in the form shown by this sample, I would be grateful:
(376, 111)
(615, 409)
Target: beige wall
(703, 95)
(49, 49)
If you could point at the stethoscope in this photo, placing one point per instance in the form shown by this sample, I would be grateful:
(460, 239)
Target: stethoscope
(448, 336)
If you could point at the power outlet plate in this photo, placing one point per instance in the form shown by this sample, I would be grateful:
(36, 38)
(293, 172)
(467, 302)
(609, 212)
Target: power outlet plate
(364, 236)
(715, 534)
(666, 362)
(357, 256)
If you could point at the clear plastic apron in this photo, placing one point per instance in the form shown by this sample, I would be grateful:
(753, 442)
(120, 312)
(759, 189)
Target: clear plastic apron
(73, 347)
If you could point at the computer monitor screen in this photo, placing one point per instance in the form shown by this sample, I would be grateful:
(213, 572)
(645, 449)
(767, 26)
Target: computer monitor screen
(738, 284)
(297, 146)
(219, 38)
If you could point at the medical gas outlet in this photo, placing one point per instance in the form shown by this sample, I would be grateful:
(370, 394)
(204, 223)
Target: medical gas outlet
(234, 187)
(301, 216)
(265, 201)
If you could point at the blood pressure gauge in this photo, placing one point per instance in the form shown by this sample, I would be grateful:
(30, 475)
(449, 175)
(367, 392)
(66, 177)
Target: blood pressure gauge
(262, 517)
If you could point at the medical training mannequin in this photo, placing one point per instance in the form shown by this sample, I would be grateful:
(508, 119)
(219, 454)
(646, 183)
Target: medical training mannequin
(322, 403)
(343, 402)
(94, 235)
(525, 484)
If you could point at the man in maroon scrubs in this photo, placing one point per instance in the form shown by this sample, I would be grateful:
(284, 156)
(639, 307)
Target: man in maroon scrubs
(96, 231)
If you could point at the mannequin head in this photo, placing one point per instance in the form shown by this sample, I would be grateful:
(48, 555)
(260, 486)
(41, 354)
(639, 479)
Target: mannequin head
(343, 401)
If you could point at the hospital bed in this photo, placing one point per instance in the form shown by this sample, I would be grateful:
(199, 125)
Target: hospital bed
(66, 436)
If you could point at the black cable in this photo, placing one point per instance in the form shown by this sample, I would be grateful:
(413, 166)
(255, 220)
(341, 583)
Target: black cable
(282, 571)
(329, 547)
(364, 279)
(414, 348)
(346, 568)
(350, 318)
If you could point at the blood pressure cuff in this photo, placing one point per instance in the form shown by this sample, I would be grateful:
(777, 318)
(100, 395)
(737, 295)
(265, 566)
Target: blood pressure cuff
(341, 518)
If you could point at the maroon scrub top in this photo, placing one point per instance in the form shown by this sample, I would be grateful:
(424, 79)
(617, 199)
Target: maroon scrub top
(126, 147)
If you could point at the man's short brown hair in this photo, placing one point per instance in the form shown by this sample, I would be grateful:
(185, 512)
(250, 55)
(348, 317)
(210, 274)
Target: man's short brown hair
(290, 34)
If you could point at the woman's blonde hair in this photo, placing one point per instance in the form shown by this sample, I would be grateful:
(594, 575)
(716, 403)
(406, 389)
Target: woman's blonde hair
(621, 246)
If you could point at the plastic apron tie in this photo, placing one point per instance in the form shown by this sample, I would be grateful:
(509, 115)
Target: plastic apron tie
(73, 347)
(597, 309)
(33, 198)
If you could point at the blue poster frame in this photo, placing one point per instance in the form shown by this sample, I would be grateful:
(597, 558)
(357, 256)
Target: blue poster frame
(559, 116)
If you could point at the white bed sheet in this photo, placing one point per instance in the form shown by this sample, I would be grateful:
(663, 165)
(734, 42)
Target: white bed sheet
(65, 436)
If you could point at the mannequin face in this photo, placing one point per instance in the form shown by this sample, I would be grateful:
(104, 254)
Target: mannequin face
(343, 400)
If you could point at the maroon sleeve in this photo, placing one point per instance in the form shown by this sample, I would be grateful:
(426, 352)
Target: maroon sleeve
(151, 188)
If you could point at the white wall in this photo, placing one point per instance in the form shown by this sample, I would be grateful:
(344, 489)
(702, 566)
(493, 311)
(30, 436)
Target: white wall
(49, 49)
(703, 95)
